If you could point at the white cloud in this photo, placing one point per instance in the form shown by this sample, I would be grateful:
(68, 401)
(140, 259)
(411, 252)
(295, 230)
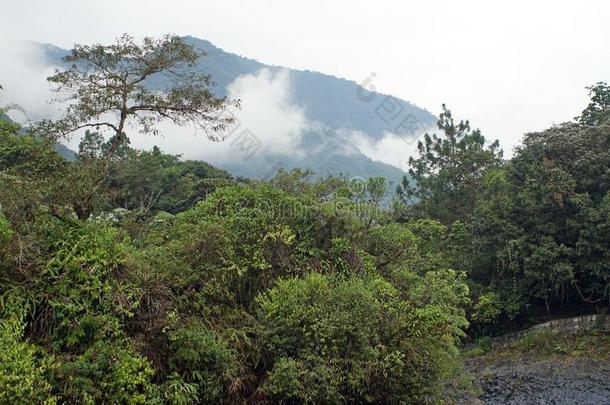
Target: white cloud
(267, 110)
(392, 149)
(267, 113)
(23, 74)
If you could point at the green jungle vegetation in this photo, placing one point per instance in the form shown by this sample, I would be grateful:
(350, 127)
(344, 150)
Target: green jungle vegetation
(131, 276)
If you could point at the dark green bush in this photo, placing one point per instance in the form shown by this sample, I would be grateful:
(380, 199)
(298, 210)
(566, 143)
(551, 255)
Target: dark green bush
(108, 372)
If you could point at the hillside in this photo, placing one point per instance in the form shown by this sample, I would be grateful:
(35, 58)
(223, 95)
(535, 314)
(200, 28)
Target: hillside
(63, 150)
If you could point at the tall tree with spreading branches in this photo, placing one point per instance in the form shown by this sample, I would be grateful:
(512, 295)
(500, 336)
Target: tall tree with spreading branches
(107, 88)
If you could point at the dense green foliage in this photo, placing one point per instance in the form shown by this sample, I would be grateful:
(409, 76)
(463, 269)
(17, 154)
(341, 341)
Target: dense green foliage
(289, 291)
(257, 293)
(183, 285)
(448, 175)
(533, 232)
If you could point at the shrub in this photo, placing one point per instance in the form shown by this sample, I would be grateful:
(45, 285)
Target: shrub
(88, 300)
(107, 373)
(23, 367)
(487, 309)
(350, 340)
(176, 391)
(202, 359)
(5, 230)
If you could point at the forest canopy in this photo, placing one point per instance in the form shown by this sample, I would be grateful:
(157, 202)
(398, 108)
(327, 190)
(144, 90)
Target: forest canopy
(134, 276)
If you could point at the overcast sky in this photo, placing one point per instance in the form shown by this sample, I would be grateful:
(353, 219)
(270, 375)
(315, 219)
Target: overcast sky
(509, 67)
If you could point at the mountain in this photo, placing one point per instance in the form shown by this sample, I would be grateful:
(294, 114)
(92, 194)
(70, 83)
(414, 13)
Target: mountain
(339, 107)
(63, 150)
(327, 99)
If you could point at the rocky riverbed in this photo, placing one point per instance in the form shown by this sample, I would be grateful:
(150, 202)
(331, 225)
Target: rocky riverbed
(565, 361)
(553, 380)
